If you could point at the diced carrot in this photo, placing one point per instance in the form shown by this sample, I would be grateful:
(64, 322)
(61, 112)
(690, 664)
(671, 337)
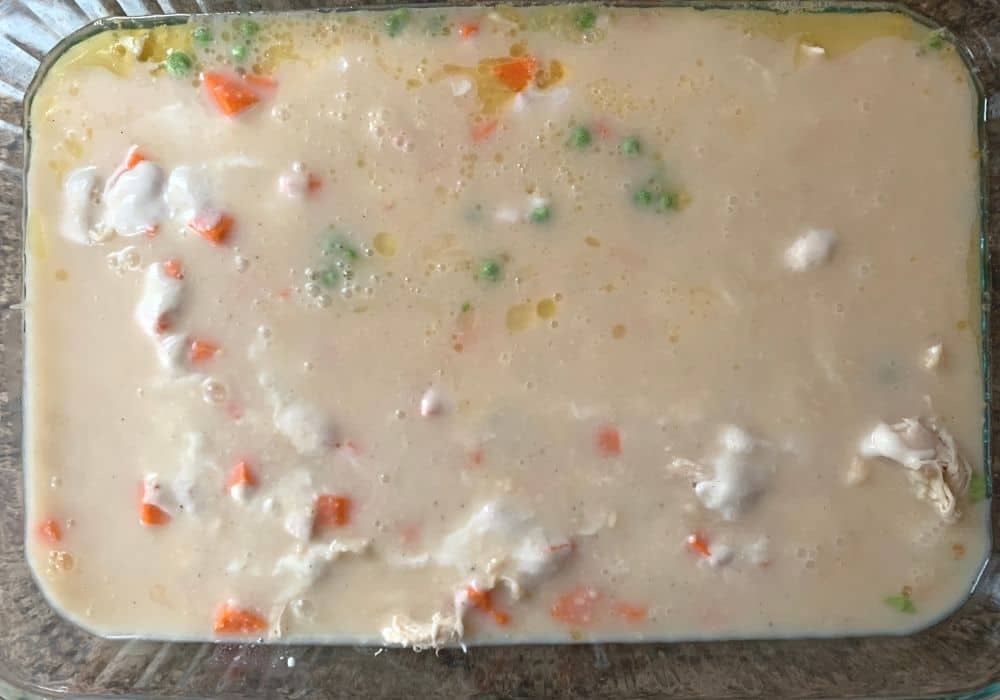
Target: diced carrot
(50, 531)
(632, 613)
(350, 449)
(609, 441)
(331, 511)
(483, 600)
(162, 324)
(482, 130)
(562, 547)
(260, 80)
(233, 620)
(234, 410)
(314, 183)
(516, 73)
(476, 458)
(230, 94)
(241, 474)
(576, 607)
(480, 599)
(173, 268)
(602, 128)
(467, 30)
(202, 351)
(150, 514)
(134, 157)
(410, 533)
(699, 545)
(213, 227)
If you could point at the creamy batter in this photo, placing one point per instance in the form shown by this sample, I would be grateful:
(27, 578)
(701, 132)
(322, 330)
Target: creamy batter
(435, 327)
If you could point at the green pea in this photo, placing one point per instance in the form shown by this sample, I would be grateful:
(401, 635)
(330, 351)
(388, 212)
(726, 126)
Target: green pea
(977, 487)
(666, 201)
(328, 277)
(202, 34)
(474, 213)
(178, 64)
(339, 246)
(936, 41)
(902, 603)
(437, 25)
(540, 214)
(248, 28)
(490, 269)
(396, 20)
(466, 307)
(585, 17)
(643, 197)
(579, 138)
(630, 146)
(239, 52)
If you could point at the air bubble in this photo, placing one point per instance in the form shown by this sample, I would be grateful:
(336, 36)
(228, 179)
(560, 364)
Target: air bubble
(303, 608)
(213, 391)
(280, 112)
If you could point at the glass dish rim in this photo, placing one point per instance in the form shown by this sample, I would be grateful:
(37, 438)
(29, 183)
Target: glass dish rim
(777, 6)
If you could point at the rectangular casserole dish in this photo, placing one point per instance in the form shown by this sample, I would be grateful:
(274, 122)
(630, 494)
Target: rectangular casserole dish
(42, 655)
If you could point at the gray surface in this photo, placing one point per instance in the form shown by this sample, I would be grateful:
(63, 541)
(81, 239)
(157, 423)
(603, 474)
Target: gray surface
(41, 655)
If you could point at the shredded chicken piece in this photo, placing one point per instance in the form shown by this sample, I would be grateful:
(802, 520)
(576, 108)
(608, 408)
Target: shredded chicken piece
(306, 567)
(741, 474)
(306, 428)
(433, 403)
(686, 468)
(197, 476)
(811, 249)
(933, 356)
(857, 472)
(503, 544)
(498, 545)
(936, 470)
(440, 630)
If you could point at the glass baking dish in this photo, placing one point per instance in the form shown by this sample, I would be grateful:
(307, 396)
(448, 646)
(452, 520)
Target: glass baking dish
(42, 655)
